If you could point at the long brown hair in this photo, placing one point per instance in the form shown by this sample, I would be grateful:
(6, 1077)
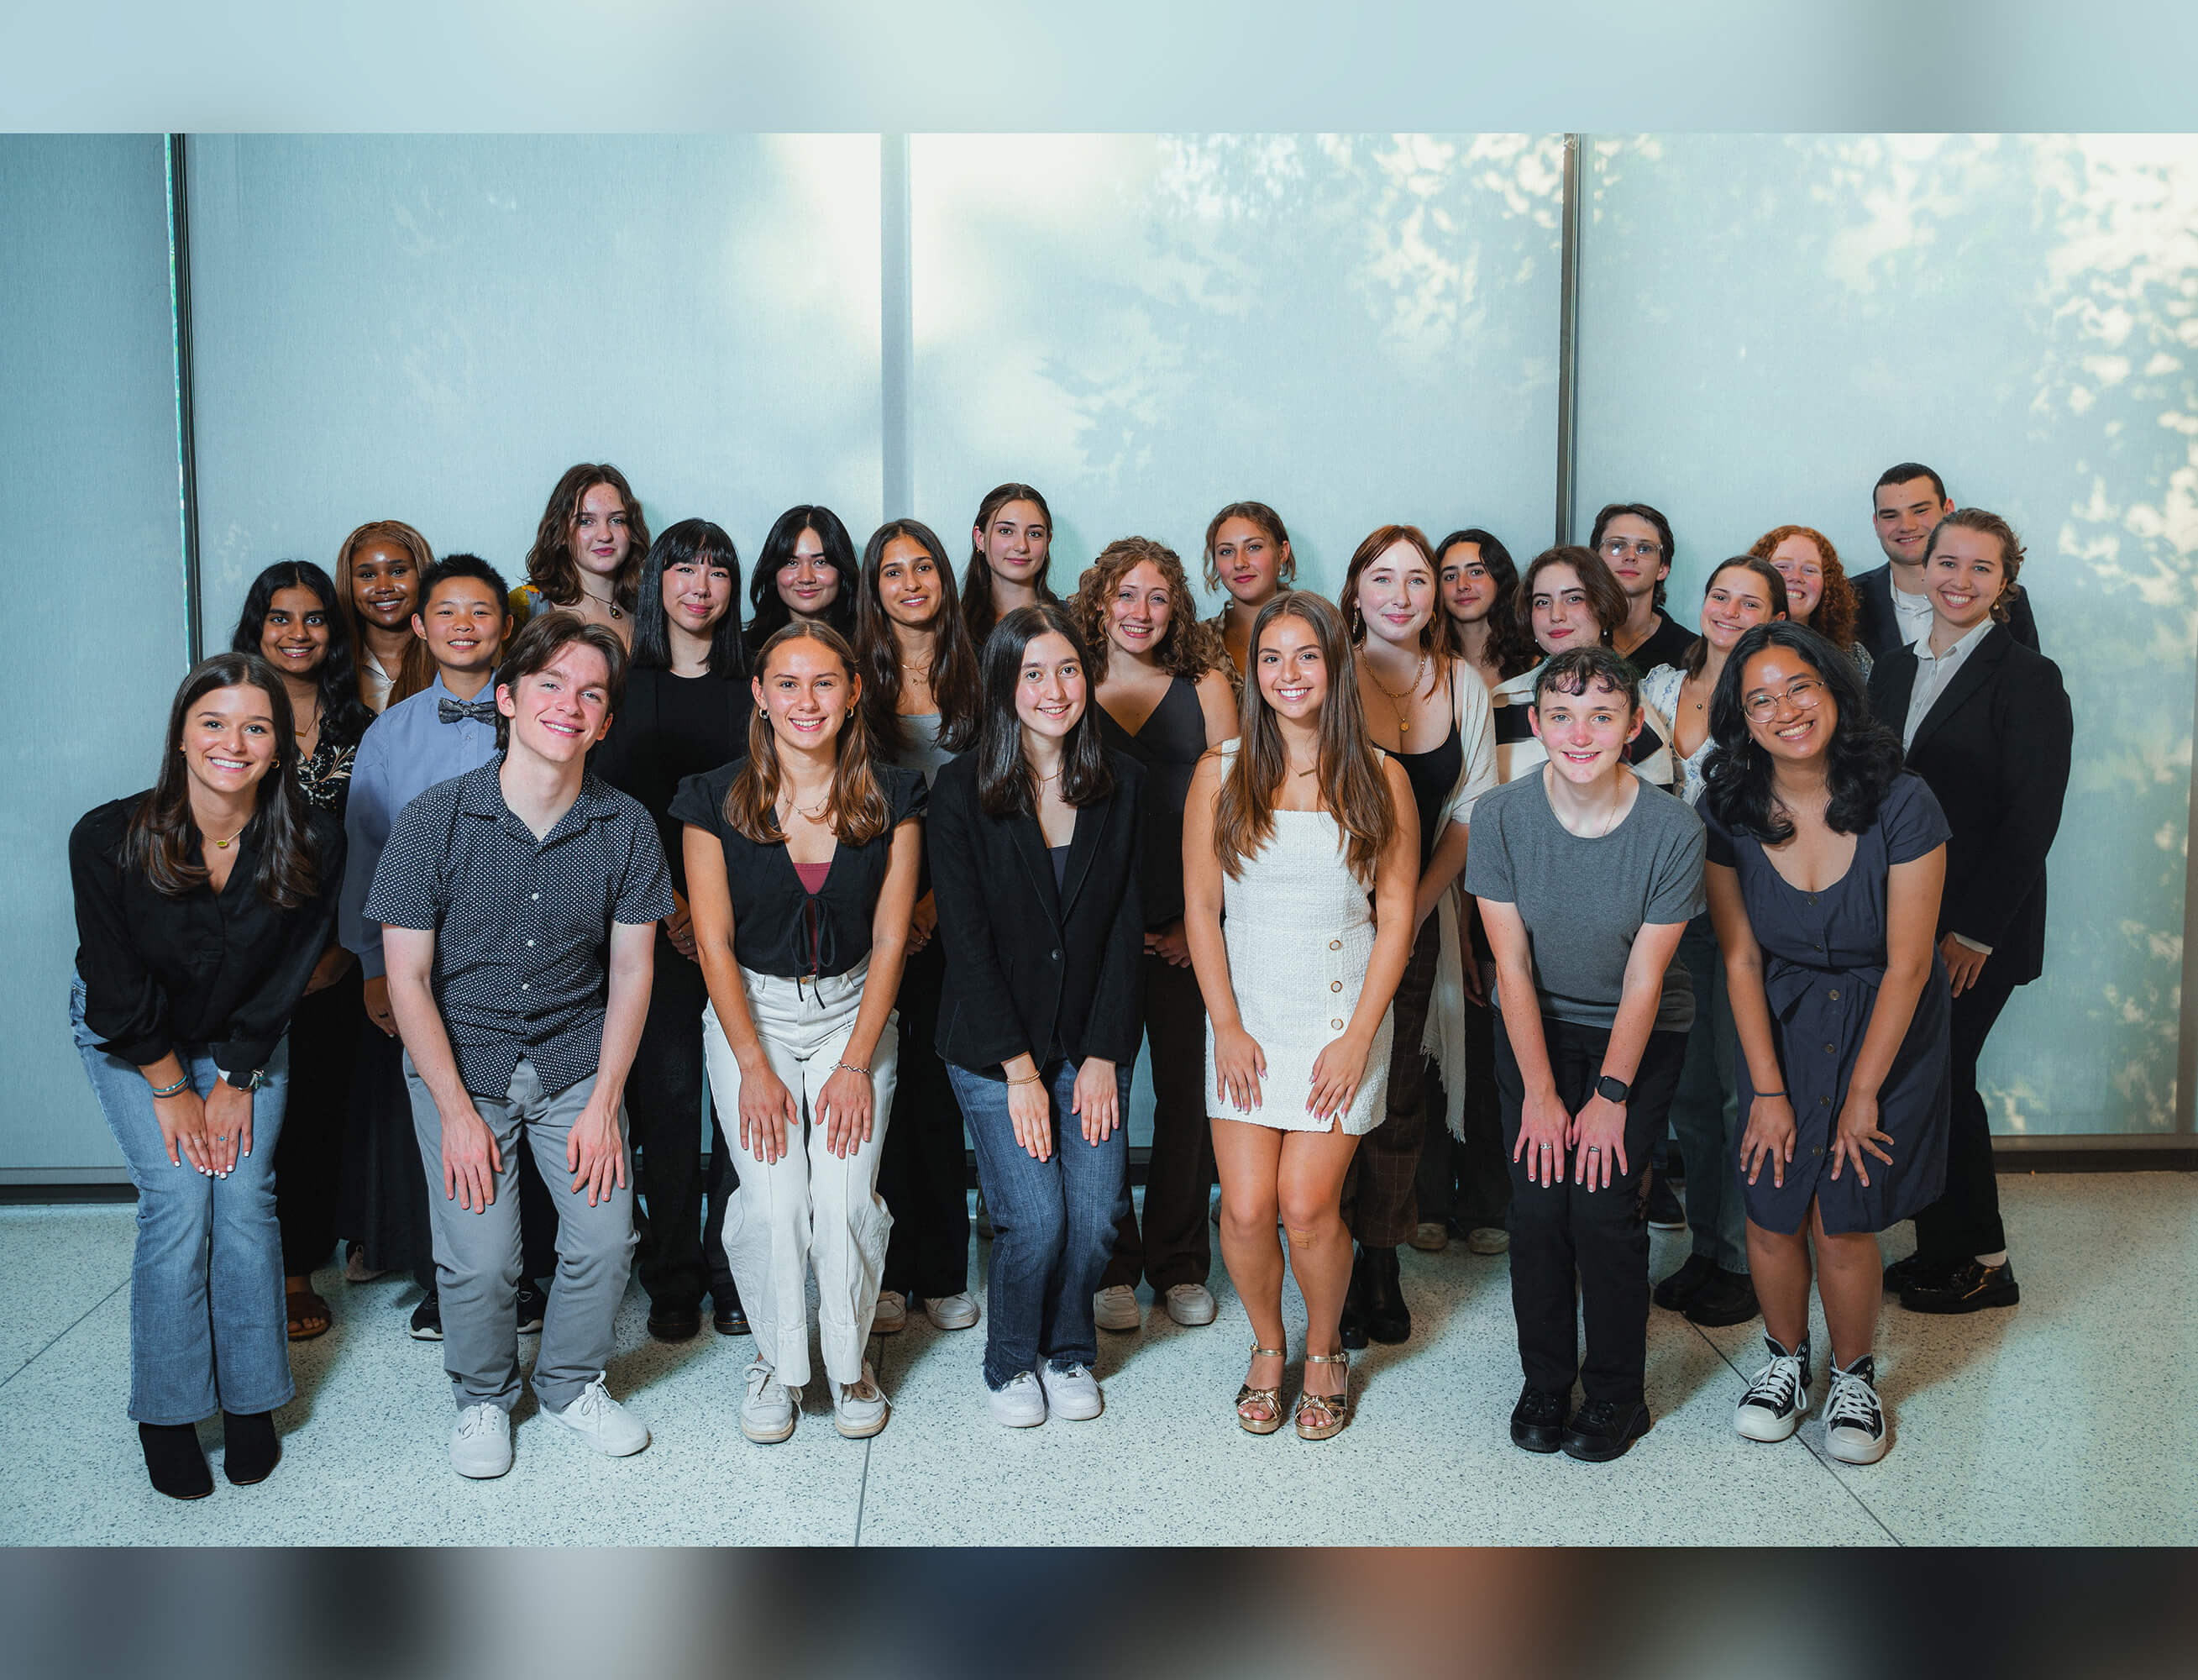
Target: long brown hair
(1270, 525)
(1509, 643)
(160, 829)
(1190, 648)
(1836, 607)
(417, 670)
(550, 566)
(978, 606)
(1350, 775)
(955, 683)
(1774, 584)
(1434, 635)
(858, 805)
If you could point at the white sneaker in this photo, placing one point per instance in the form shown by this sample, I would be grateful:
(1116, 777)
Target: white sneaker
(767, 1414)
(892, 1316)
(1431, 1236)
(1019, 1405)
(1115, 1308)
(1190, 1304)
(951, 1312)
(859, 1409)
(1855, 1429)
(1778, 1396)
(1073, 1394)
(480, 1445)
(1487, 1239)
(603, 1422)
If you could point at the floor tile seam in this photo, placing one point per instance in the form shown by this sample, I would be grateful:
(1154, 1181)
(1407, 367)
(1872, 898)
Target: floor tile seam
(47, 1346)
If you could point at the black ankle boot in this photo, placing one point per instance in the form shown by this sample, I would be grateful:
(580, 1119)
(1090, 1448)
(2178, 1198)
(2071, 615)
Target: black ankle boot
(173, 1461)
(1352, 1328)
(1388, 1320)
(252, 1449)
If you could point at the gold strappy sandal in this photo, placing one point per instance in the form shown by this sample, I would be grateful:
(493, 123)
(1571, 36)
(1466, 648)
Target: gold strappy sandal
(1321, 1415)
(1271, 1398)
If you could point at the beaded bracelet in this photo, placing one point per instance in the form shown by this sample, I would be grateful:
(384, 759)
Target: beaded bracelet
(181, 1085)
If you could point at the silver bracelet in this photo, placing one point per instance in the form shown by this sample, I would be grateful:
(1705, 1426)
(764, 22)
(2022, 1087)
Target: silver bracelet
(849, 1067)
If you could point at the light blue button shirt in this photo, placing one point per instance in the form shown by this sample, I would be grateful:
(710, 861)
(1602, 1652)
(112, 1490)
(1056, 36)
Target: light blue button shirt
(405, 752)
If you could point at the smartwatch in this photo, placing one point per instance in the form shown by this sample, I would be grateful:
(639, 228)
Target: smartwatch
(1612, 1091)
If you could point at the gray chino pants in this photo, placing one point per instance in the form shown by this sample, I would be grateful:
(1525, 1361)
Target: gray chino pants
(477, 1254)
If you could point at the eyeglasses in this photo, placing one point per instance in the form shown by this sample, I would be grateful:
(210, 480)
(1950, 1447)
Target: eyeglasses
(1805, 692)
(1618, 548)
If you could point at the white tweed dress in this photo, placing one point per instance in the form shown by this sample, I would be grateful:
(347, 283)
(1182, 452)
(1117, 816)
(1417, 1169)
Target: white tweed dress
(1299, 929)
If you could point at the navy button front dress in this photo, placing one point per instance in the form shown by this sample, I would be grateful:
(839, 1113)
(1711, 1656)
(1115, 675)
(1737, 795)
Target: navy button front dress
(1824, 959)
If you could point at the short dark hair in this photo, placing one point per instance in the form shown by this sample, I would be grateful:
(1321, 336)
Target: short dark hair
(463, 566)
(680, 544)
(1774, 583)
(1907, 473)
(1603, 593)
(1005, 785)
(1639, 510)
(537, 644)
(1862, 760)
(1573, 671)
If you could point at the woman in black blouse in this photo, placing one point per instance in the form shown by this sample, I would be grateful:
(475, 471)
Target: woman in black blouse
(801, 867)
(292, 618)
(806, 574)
(203, 907)
(686, 711)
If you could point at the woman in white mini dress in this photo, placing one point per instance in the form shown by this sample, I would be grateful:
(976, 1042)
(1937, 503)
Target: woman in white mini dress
(1303, 837)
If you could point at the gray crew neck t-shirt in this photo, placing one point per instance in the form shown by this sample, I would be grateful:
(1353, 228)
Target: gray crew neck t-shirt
(1584, 900)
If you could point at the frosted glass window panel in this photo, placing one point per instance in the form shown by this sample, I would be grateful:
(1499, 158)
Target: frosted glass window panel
(1768, 324)
(1354, 328)
(89, 427)
(433, 328)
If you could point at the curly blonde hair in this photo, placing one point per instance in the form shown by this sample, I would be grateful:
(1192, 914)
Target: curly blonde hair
(1189, 647)
(1834, 617)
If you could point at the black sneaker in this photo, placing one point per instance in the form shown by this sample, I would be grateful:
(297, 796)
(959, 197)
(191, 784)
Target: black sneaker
(1854, 1418)
(1915, 1270)
(427, 1318)
(726, 1316)
(1778, 1397)
(1538, 1421)
(1727, 1299)
(532, 1304)
(1601, 1430)
(1675, 1291)
(1665, 1213)
(1970, 1286)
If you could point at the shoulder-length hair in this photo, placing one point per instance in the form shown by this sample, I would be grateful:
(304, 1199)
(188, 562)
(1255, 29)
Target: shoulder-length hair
(1640, 510)
(1836, 607)
(954, 681)
(1189, 648)
(978, 606)
(1510, 645)
(1604, 593)
(768, 613)
(1006, 784)
(288, 872)
(417, 668)
(1862, 760)
(1269, 524)
(690, 542)
(857, 804)
(2010, 548)
(1350, 774)
(343, 716)
(1433, 637)
(550, 566)
(1773, 581)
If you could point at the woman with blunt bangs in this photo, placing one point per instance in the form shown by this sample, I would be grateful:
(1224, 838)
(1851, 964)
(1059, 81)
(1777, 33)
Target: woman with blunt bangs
(203, 907)
(1247, 553)
(1160, 678)
(1035, 838)
(685, 711)
(1300, 852)
(920, 694)
(806, 574)
(379, 569)
(588, 552)
(801, 865)
(1010, 545)
(1432, 718)
(292, 618)
(1827, 862)
(1819, 594)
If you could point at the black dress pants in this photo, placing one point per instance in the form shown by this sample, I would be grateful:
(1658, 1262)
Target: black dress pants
(1465, 1178)
(1177, 1243)
(1965, 1220)
(309, 1154)
(1381, 1187)
(1565, 1237)
(679, 1258)
(923, 1170)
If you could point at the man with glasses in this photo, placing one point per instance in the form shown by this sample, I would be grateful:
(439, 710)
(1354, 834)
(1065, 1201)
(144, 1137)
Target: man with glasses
(1635, 541)
(1891, 608)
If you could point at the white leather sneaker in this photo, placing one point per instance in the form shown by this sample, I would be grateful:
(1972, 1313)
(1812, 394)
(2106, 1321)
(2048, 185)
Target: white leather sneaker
(1019, 1405)
(1072, 1394)
(1115, 1308)
(951, 1312)
(892, 1316)
(601, 1422)
(767, 1414)
(1190, 1304)
(480, 1442)
(859, 1409)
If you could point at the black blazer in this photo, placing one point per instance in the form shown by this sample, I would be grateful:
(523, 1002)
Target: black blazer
(1028, 968)
(1878, 626)
(1995, 749)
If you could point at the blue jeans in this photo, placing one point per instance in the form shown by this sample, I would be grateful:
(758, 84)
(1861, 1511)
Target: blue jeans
(1706, 1115)
(207, 1331)
(1053, 1224)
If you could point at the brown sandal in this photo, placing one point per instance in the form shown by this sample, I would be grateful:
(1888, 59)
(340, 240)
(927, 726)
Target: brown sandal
(305, 1305)
(1321, 1415)
(1270, 1398)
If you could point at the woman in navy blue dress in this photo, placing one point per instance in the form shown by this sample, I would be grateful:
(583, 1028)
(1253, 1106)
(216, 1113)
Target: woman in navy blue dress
(1826, 861)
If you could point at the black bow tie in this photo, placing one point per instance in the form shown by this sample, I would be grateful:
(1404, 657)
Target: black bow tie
(449, 711)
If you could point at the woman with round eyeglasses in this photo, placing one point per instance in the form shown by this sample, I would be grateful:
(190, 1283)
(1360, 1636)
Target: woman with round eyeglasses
(1248, 553)
(1635, 541)
(1817, 592)
(806, 573)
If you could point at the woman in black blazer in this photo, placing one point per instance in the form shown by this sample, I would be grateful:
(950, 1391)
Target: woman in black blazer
(1034, 839)
(1985, 722)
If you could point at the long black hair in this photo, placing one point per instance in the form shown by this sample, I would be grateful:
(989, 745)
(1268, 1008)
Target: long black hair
(344, 715)
(955, 683)
(977, 601)
(1861, 760)
(1509, 641)
(1006, 785)
(689, 541)
(768, 613)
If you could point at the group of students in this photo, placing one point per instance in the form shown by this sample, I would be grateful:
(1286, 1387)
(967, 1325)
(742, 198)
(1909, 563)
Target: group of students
(447, 897)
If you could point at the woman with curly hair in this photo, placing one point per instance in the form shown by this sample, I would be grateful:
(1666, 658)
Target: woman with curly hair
(1819, 594)
(1160, 677)
(1247, 553)
(588, 551)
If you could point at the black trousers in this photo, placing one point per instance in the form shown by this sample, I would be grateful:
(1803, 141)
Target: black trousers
(1565, 1237)
(309, 1155)
(923, 1171)
(1965, 1219)
(1177, 1243)
(1465, 1178)
(1381, 1187)
(682, 1252)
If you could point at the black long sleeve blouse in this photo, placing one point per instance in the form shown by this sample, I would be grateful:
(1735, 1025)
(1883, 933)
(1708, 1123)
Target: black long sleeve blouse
(225, 971)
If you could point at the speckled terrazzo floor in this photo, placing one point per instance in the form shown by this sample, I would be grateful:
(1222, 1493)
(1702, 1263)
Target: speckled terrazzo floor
(2066, 1421)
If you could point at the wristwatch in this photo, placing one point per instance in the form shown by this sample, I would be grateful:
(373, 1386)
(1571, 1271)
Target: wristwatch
(1612, 1091)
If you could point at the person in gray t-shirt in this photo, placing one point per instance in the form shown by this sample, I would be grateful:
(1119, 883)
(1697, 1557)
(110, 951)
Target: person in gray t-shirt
(1586, 876)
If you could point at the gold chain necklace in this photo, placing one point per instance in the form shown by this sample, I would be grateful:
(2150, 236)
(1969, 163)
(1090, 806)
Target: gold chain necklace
(1397, 701)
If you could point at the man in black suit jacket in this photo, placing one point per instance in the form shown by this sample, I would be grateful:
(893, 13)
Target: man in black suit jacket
(1908, 503)
(1993, 741)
